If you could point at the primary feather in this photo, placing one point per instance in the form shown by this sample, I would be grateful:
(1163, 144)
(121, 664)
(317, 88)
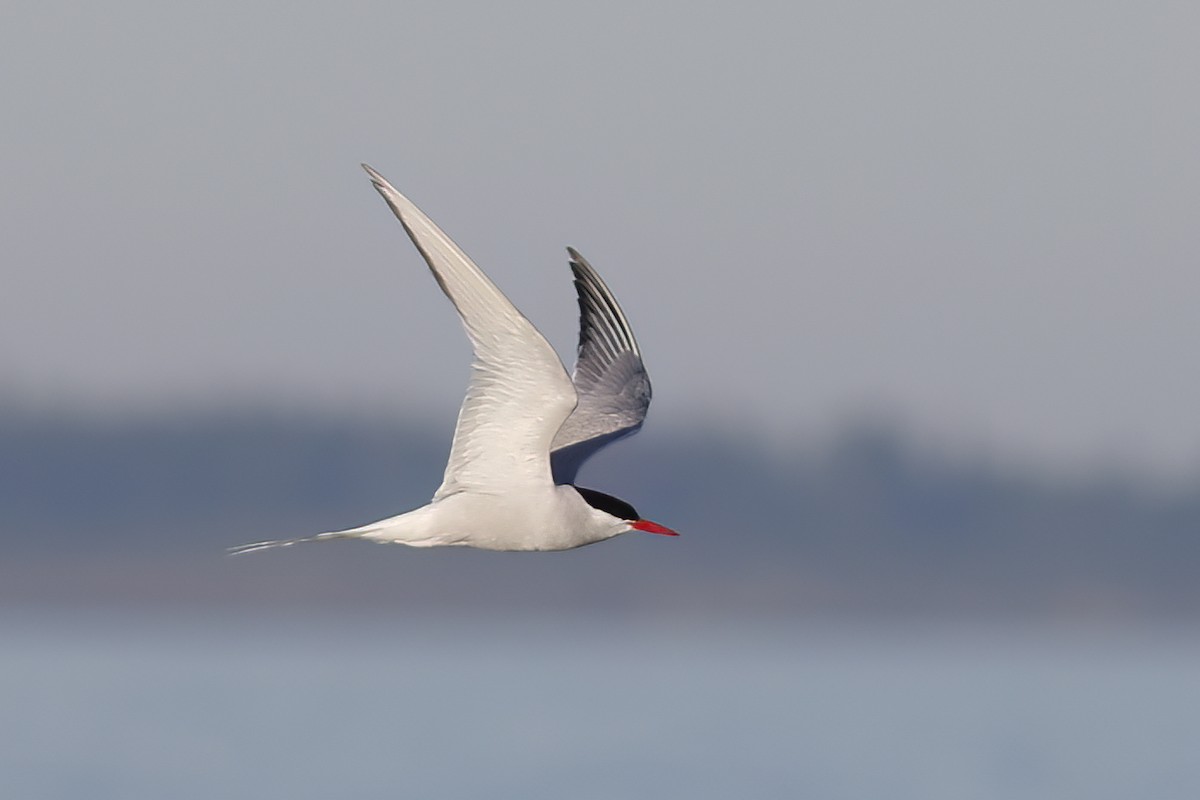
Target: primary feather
(519, 394)
(610, 378)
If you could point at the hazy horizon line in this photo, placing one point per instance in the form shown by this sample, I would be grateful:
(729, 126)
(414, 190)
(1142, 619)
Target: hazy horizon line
(857, 423)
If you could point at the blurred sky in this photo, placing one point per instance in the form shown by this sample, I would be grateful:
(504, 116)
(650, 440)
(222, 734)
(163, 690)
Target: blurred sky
(978, 218)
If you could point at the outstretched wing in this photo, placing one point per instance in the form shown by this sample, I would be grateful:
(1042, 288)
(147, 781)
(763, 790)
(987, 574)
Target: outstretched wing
(519, 393)
(610, 379)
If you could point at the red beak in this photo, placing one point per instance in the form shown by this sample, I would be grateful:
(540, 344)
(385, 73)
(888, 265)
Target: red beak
(652, 527)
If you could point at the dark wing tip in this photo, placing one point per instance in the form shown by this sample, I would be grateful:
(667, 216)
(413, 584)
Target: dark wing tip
(601, 317)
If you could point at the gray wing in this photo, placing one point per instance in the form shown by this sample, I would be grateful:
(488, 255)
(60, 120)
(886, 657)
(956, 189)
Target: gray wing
(609, 377)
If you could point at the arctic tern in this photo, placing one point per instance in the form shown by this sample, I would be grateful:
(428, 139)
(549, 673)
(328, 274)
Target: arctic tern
(525, 426)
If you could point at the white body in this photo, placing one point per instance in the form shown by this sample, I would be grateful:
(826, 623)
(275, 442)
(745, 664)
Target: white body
(550, 518)
(500, 489)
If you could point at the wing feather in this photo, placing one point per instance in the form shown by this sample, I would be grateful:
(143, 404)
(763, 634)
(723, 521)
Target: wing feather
(519, 394)
(609, 377)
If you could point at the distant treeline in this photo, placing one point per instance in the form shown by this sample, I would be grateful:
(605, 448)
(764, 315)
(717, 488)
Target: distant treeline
(140, 511)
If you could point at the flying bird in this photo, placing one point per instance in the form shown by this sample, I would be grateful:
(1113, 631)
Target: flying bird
(525, 426)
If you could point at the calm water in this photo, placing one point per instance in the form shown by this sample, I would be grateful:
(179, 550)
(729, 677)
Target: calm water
(109, 707)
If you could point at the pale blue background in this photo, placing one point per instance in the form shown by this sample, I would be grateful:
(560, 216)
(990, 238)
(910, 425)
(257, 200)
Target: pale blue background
(976, 218)
(973, 226)
(530, 708)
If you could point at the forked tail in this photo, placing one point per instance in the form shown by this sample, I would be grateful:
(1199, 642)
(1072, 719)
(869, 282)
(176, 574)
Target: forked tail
(320, 537)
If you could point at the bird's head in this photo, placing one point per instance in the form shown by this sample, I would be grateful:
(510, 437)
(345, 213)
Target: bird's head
(625, 517)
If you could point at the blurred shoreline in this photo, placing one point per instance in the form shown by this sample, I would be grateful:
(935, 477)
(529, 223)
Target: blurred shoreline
(135, 513)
